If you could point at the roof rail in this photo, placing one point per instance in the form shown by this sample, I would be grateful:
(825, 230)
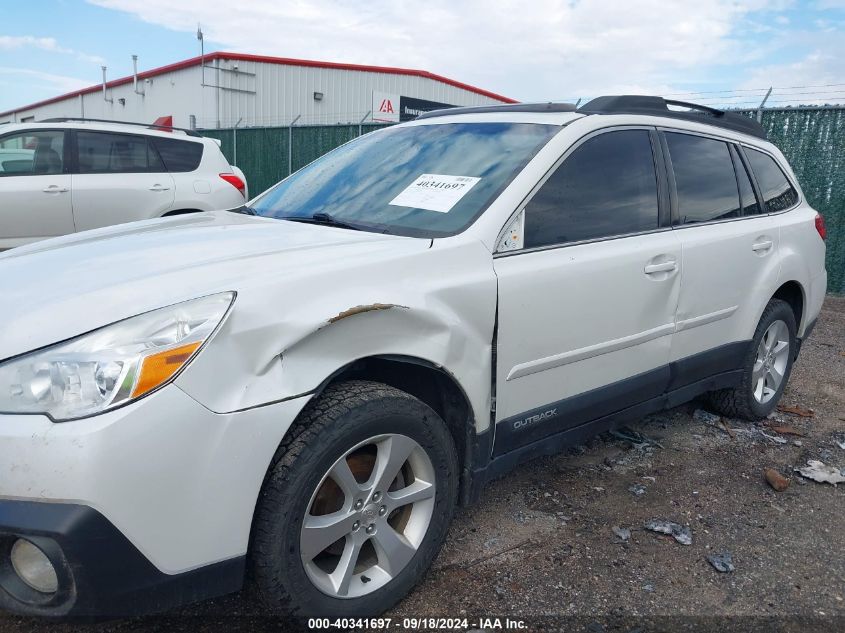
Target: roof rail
(658, 106)
(151, 126)
(514, 107)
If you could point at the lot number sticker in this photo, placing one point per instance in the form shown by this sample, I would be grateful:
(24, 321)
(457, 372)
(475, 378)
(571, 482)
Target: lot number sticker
(435, 192)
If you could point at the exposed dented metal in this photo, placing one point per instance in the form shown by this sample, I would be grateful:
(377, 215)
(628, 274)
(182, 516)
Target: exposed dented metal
(372, 307)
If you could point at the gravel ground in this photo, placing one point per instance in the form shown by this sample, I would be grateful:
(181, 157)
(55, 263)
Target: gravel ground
(541, 542)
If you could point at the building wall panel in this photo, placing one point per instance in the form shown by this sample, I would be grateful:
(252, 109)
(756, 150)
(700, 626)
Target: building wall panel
(258, 93)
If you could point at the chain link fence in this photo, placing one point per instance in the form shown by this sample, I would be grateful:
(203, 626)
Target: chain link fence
(813, 140)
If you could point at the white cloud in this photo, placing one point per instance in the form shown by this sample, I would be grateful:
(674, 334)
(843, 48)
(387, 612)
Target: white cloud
(13, 42)
(816, 77)
(50, 83)
(538, 50)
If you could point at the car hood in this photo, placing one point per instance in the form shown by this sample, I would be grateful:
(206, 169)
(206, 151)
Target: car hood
(60, 288)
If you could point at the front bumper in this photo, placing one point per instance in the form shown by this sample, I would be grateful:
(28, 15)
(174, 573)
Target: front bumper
(100, 572)
(141, 505)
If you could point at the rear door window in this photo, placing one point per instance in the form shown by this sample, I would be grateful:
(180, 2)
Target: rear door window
(179, 156)
(107, 153)
(606, 187)
(778, 194)
(705, 181)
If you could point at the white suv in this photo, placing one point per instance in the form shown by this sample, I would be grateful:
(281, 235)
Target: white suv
(63, 175)
(300, 393)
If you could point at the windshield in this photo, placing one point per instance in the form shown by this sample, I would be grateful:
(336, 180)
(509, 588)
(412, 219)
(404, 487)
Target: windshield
(422, 181)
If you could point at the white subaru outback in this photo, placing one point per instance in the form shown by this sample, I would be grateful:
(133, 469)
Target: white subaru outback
(62, 176)
(301, 393)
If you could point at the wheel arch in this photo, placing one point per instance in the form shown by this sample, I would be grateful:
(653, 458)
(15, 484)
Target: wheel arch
(430, 383)
(433, 384)
(794, 294)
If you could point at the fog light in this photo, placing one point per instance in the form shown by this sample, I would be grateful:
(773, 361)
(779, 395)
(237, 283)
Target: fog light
(33, 567)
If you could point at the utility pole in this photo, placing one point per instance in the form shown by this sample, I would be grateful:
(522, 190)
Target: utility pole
(202, 52)
(202, 71)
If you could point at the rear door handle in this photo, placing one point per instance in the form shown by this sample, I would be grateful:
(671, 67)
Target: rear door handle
(158, 187)
(762, 246)
(55, 189)
(663, 267)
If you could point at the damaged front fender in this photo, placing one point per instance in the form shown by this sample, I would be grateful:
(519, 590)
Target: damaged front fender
(284, 339)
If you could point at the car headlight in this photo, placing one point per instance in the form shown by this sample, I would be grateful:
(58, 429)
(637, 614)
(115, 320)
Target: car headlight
(111, 366)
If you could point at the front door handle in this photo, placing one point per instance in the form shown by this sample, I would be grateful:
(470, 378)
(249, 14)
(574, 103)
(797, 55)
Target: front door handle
(762, 246)
(158, 187)
(663, 267)
(55, 189)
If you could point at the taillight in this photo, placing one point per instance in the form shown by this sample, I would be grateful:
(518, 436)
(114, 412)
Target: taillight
(820, 227)
(236, 182)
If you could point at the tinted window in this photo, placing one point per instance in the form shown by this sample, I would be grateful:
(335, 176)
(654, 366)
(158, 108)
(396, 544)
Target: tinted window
(179, 155)
(750, 206)
(606, 187)
(704, 178)
(426, 180)
(777, 193)
(32, 153)
(104, 153)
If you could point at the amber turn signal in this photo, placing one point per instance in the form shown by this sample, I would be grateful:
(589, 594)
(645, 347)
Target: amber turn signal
(159, 368)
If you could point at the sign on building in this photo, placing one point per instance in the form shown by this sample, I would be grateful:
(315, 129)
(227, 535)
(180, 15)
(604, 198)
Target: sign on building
(393, 108)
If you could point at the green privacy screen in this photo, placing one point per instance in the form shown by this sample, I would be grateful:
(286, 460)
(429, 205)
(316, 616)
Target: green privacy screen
(813, 140)
(263, 151)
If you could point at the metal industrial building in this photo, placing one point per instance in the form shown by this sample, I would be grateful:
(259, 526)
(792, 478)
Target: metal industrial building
(222, 90)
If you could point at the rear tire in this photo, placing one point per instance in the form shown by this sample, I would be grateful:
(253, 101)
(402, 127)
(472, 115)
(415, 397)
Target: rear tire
(366, 429)
(765, 369)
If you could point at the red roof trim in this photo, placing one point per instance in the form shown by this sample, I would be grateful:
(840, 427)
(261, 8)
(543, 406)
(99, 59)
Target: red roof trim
(282, 61)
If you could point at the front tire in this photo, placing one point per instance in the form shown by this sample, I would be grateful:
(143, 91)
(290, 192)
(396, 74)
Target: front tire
(766, 368)
(356, 504)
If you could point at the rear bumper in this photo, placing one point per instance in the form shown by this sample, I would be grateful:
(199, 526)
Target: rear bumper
(100, 572)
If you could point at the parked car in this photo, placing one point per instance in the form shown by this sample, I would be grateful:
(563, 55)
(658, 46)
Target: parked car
(65, 175)
(300, 393)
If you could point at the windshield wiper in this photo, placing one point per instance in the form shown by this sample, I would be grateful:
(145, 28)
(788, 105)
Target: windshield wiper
(245, 210)
(324, 219)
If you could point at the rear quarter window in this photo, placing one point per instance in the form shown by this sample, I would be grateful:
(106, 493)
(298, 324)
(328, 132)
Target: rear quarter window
(179, 156)
(778, 194)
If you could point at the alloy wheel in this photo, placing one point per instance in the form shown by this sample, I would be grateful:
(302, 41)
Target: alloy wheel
(771, 362)
(368, 516)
